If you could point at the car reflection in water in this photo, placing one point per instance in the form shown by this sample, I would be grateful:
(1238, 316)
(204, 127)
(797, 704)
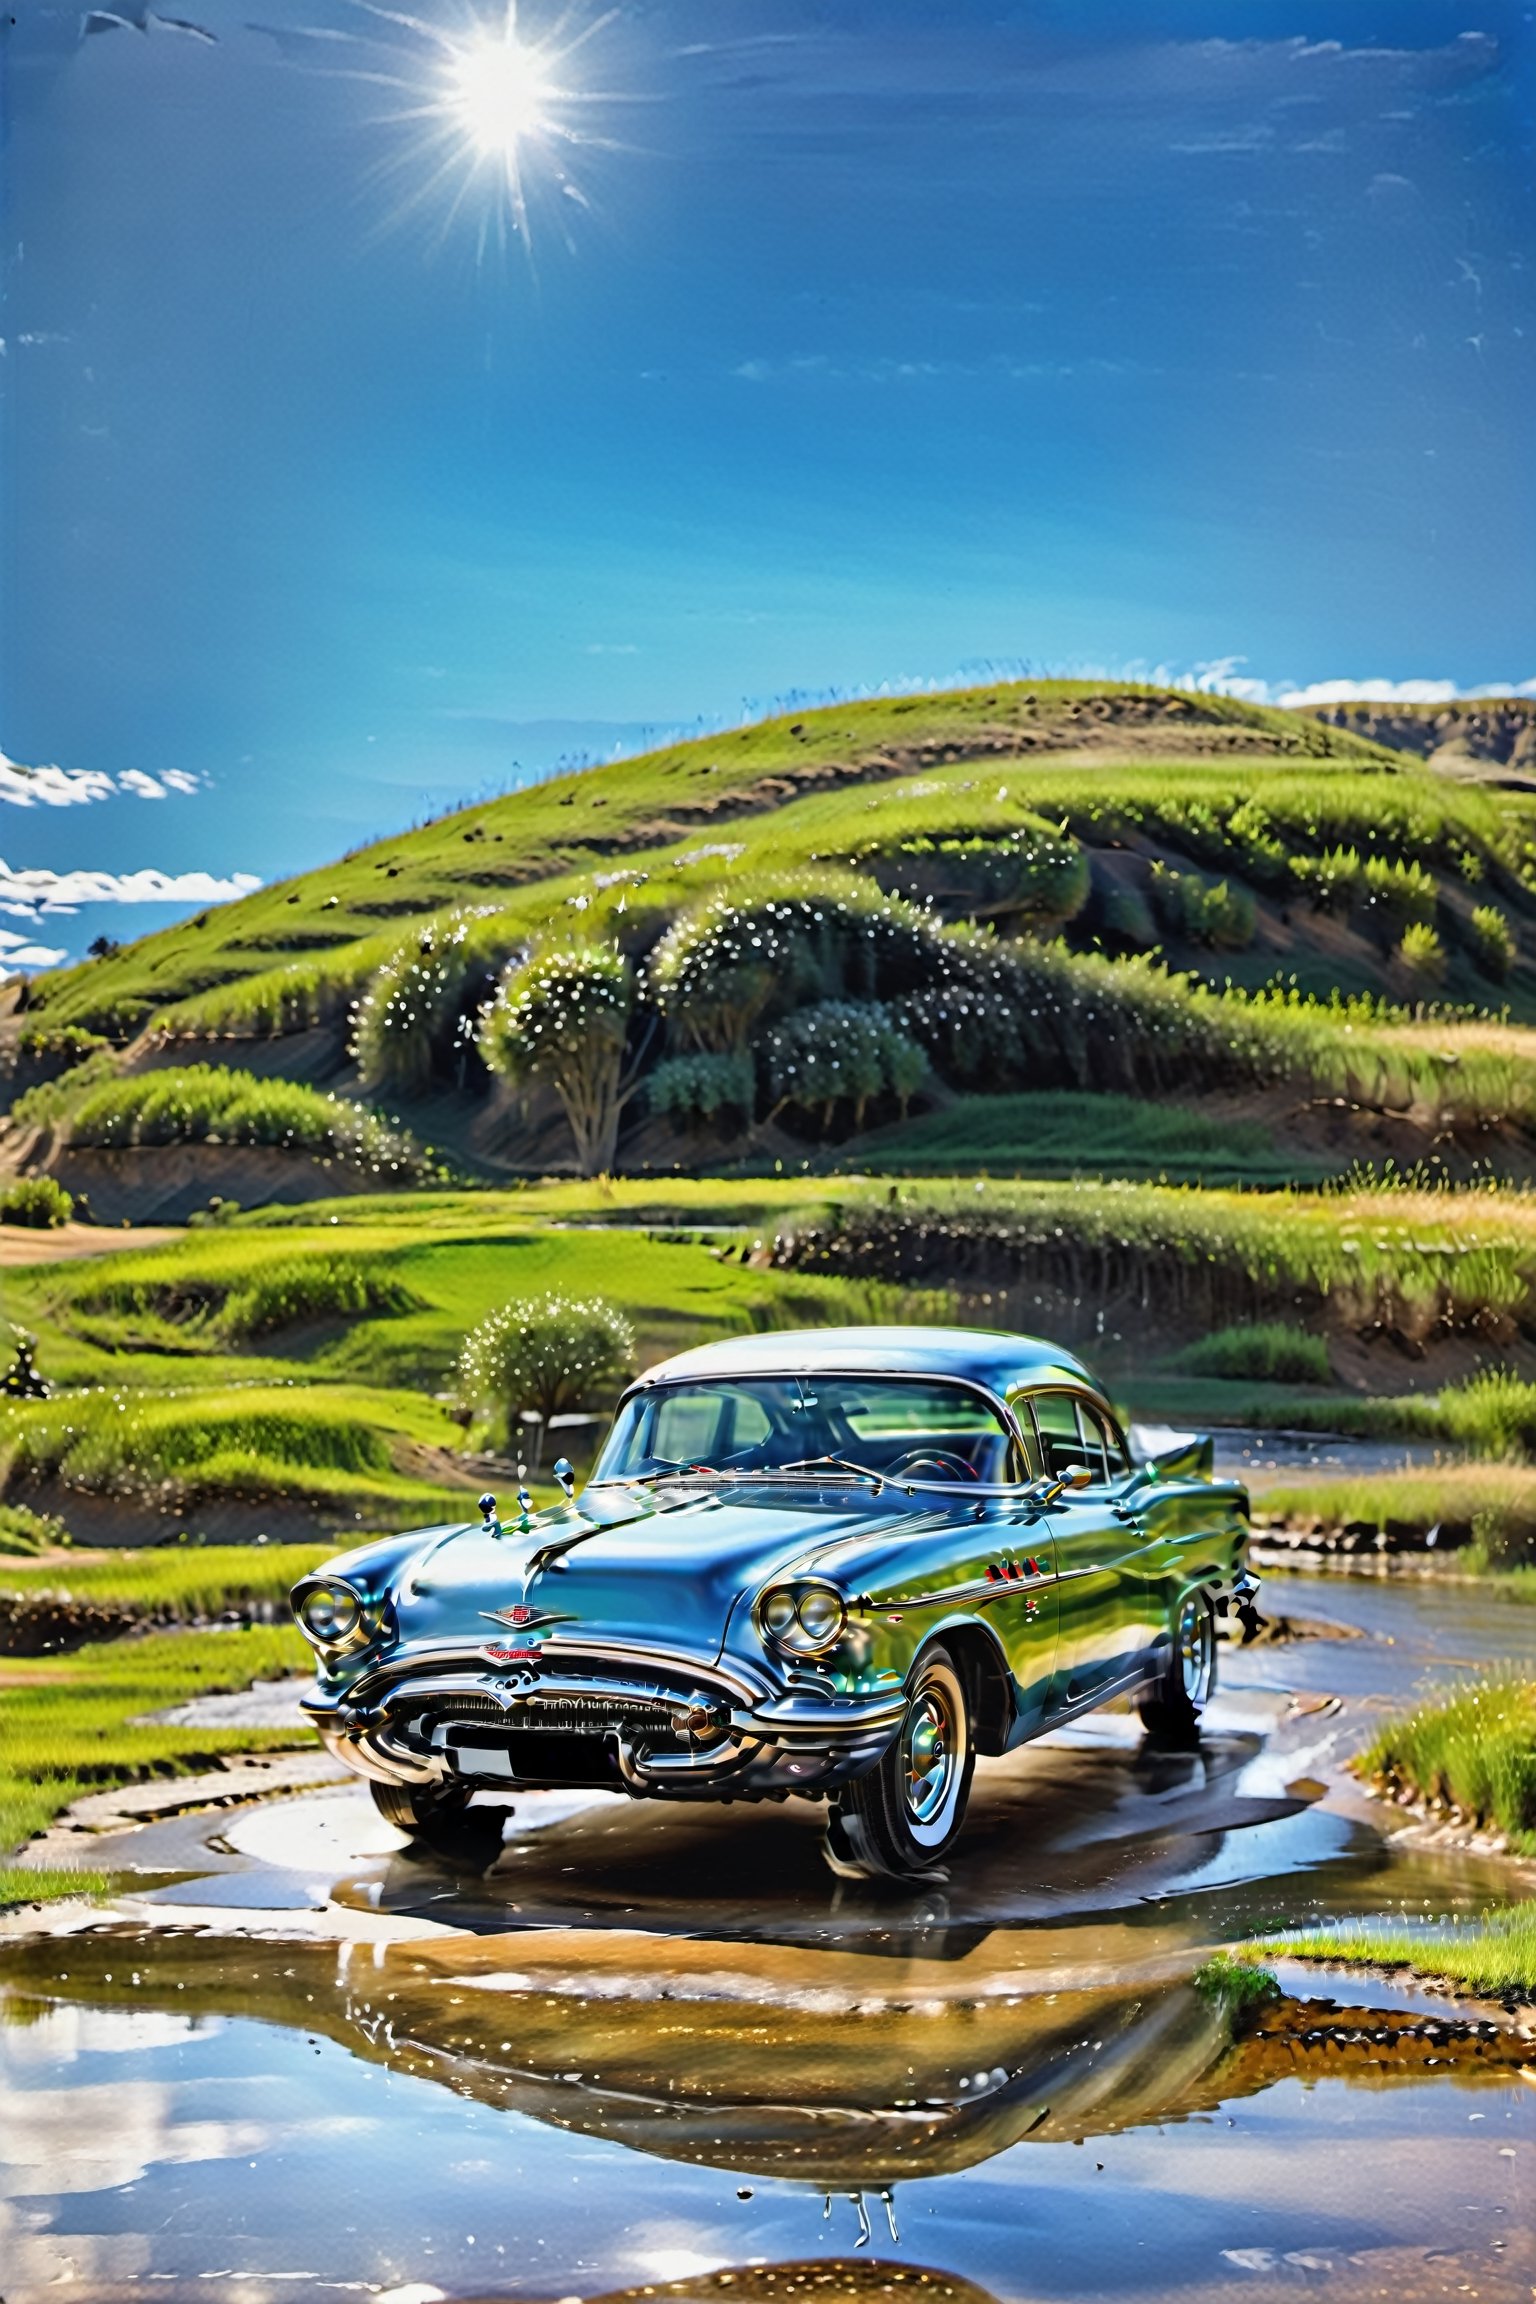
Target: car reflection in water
(760, 2069)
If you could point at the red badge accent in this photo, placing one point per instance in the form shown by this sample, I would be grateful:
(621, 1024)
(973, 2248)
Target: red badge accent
(511, 1655)
(517, 1615)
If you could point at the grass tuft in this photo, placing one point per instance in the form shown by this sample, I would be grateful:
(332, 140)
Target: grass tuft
(1267, 1351)
(1493, 1956)
(1471, 1755)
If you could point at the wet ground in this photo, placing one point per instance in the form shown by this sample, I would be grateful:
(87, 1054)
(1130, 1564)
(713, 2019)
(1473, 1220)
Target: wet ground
(665, 2054)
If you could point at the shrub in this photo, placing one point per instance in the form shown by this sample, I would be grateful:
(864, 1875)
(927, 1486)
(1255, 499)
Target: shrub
(562, 1018)
(1422, 953)
(1205, 912)
(1035, 877)
(550, 1355)
(1127, 918)
(59, 1045)
(206, 1104)
(1267, 1351)
(748, 956)
(1330, 882)
(1399, 892)
(1493, 942)
(418, 1013)
(842, 1051)
(39, 1201)
(692, 1090)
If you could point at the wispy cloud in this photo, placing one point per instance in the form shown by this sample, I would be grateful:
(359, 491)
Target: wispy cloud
(17, 952)
(51, 787)
(30, 893)
(824, 368)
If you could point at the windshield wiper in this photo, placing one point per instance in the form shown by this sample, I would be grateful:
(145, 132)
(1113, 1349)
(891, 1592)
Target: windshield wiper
(834, 1464)
(671, 1472)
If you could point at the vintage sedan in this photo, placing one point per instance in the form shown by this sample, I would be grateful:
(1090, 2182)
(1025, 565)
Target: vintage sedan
(837, 1565)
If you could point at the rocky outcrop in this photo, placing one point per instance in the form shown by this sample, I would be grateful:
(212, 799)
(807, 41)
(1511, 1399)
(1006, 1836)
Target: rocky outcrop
(1477, 733)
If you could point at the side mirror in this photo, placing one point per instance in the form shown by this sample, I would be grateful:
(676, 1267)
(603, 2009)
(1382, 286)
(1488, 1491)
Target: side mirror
(1055, 1484)
(565, 1473)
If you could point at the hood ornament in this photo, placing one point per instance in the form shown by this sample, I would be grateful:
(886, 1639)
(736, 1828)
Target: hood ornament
(525, 1619)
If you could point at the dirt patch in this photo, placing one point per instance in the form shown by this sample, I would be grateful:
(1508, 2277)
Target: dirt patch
(170, 1182)
(119, 1523)
(1309, 2039)
(53, 1623)
(67, 1242)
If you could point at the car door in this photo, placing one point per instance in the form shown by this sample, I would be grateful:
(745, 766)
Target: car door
(1021, 1558)
(1098, 1539)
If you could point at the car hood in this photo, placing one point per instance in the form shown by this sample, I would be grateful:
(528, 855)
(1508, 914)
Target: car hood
(661, 1571)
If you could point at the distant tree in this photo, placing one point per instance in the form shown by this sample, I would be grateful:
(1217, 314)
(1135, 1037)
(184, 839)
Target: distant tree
(550, 1355)
(563, 1018)
(102, 947)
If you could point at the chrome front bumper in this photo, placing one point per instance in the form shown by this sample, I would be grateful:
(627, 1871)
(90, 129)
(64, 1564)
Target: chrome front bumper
(654, 1724)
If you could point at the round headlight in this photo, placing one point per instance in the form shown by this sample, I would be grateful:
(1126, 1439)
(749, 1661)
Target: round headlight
(779, 1613)
(821, 1615)
(331, 1614)
(801, 1618)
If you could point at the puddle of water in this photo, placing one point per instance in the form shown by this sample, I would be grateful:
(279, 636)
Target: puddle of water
(657, 2053)
(185, 2116)
(1253, 1454)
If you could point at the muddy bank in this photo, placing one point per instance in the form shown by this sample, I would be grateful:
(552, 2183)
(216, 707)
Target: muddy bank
(168, 1184)
(52, 1623)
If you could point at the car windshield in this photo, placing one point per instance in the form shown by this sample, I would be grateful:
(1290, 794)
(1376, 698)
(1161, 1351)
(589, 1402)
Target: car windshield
(892, 1427)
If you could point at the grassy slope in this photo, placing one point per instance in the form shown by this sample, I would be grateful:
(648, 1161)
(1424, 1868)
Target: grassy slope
(343, 919)
(184, 1383)
(71, 1724)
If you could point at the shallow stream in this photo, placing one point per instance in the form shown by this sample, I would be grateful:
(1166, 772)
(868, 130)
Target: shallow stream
(664, 2054)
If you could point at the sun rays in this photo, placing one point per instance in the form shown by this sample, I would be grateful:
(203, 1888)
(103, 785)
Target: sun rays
(498, 114)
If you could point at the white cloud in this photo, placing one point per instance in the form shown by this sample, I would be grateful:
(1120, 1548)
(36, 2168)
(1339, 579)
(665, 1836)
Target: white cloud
(30, 893)
(51, 787)
(1222, 677)
(22, 955)
(1396, 691)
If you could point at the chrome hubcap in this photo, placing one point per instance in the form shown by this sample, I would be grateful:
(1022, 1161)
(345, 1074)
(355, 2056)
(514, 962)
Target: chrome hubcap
(1195, 1650)
(928, 1754)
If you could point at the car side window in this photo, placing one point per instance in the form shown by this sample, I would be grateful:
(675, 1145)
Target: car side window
(1033, 1454)
(1093, 1452)
(1061, 1438)
(1116, 1455)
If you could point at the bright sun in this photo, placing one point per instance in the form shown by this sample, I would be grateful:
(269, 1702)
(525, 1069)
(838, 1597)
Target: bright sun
(501, 115)
(500, 92)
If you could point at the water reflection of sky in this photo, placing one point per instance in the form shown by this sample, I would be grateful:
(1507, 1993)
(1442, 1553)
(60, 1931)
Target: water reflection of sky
(257, 2162)
(612, 2073)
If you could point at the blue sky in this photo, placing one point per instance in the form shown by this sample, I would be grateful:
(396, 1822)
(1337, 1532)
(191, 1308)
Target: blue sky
(869, 344)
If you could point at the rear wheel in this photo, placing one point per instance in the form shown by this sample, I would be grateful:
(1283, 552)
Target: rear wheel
(439, 1817)
(1171, 1707)
(901, 1819)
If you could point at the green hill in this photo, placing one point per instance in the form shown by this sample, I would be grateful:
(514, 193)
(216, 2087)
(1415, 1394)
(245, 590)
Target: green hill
(1066, 887)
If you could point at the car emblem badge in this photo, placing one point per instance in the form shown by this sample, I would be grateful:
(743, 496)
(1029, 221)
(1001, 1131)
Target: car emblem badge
(499, 1655)
(524, 1619)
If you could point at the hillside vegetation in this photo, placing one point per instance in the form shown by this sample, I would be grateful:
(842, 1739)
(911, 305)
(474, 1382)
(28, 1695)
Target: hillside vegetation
(768, 943)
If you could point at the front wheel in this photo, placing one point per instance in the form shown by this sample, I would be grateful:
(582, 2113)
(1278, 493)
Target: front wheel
(1171, 1707)
(440, 1818)
(900, 1819)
